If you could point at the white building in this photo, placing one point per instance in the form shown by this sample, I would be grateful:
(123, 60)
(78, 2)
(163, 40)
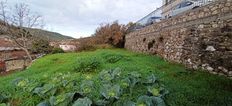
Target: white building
(68, 47)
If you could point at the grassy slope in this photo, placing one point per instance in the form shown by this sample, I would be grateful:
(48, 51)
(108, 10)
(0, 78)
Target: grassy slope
(186, 88)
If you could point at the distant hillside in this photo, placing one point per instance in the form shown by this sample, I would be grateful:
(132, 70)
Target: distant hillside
(53, 36)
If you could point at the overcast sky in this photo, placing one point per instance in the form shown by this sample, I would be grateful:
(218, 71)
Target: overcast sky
(80, 18)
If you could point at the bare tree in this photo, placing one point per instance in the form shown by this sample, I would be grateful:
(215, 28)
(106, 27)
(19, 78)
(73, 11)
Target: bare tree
(21, 18)
(3, 11)
(21, 38)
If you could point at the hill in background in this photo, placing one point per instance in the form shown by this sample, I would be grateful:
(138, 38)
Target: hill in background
(43, 34)
(40, 33)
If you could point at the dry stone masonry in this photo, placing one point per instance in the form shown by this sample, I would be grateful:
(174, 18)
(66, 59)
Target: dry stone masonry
(199, 38)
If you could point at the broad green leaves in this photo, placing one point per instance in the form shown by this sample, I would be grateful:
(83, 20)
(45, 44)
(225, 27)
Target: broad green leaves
(4, 98)
(134, 78)
(150, 79)
(144, 101)
(112, 58)
(61, 100)
(26, 84)
(4, 104)
(107, 76)
(109, 87)
(83, 102)
(111, 91)
(87, 64)
(44, 103)
(45, 91)
(150, 101)
(155, 91)
(87, 86)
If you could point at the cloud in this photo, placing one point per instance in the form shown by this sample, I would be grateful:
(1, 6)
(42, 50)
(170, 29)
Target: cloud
(80, 18)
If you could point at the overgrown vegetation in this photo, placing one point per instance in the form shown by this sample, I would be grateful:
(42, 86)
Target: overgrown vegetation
(57, 50)
(111, 33)
(41, 46)
(112, 86)
(106, 34)
(87, 64)
(112, 58)
(135, 79)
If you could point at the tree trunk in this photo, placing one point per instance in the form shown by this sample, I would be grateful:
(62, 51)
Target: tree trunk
(28, 54)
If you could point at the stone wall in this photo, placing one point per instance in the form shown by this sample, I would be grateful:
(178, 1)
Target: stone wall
(2, 66)
(199, 38)
(17, 64)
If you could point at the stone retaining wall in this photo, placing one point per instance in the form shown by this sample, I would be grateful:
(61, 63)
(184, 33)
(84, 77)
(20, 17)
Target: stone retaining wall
(199, 38)
(17, 64)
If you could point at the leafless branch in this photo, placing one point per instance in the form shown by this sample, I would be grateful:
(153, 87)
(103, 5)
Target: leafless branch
(15, 24)
(3, 11)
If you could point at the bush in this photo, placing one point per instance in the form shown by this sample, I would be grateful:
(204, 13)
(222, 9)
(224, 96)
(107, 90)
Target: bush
(41, 46)
(86, 47)
(112, 58)
(57, 50)
(87, 64)
(104, 46)
(111, 33)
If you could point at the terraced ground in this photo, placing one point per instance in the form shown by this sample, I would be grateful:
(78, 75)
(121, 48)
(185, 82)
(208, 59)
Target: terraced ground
(112, 77)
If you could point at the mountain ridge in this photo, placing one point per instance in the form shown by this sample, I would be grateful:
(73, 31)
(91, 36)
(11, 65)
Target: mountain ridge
(49, 35)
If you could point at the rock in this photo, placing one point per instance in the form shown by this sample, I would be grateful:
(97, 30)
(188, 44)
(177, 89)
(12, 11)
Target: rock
(221, 74)
(215, 12)
(204, 65)
(201, 26)
(215, 73)
(223, 69)
(209, 68)
(215, 25)
(210, 48)
(189, 61)
(230, 74)
(195, 67)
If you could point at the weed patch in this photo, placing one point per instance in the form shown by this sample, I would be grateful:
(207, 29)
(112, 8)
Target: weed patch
(87, 64)
(112, 58)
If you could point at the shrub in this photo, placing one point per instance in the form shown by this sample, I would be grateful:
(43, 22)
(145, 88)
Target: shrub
(86, 44)
(112, 58)
(86, 47)
(111, 33)
(104, 46)
(87, 64)
(57, 50)
(41, 46)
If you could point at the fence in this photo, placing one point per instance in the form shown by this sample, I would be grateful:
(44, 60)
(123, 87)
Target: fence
(169, 9)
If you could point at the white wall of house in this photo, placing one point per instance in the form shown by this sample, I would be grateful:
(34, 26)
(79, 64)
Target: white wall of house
(68, 47)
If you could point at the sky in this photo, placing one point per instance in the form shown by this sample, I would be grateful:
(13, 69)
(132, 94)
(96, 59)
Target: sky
(80, 18)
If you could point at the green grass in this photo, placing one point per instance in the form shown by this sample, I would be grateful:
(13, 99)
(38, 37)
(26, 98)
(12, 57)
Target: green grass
(187, 88)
